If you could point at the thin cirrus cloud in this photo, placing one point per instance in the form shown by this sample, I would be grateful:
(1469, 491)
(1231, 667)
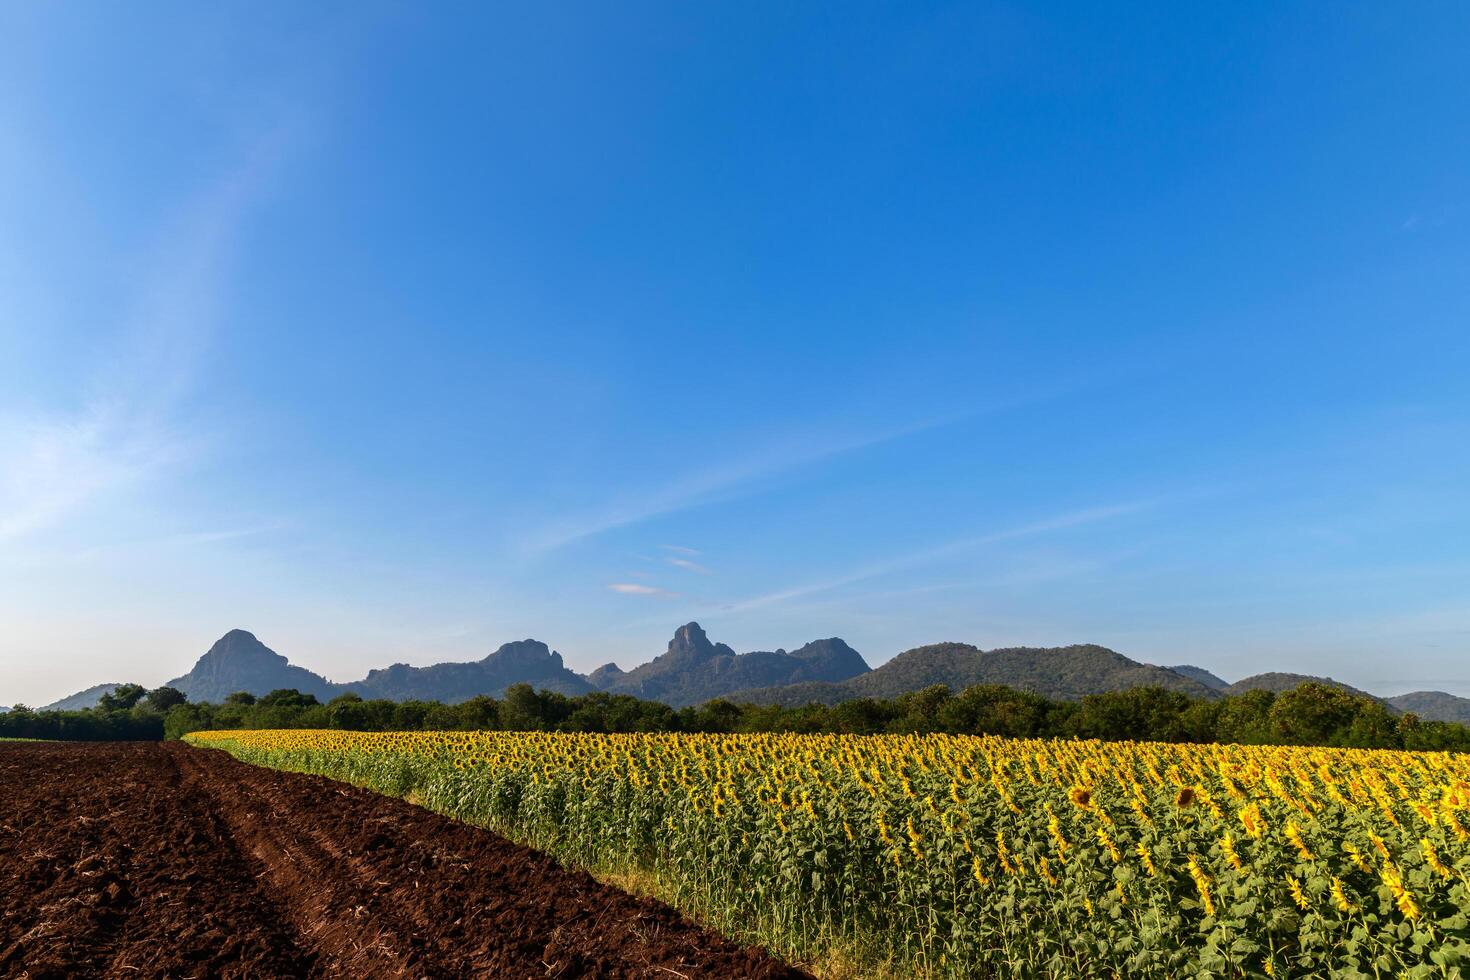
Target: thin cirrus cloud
(741, 476)
(186, 539)
(635, 588)
(725, 482)
(126, 430)
(688, 566)
(53, 465)
(924, 556)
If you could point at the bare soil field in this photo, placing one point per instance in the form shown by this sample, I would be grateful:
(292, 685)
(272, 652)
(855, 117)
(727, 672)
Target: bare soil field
(149, 859)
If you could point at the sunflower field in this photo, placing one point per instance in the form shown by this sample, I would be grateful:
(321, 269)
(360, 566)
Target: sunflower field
(942, 855)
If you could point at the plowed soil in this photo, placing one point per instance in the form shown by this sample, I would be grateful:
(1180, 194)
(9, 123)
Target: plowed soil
(147, 859)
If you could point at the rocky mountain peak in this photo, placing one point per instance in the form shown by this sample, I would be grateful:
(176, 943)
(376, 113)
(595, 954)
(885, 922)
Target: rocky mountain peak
(239, 662)
(605, 676)
(690, 643)
(239, 646)
(530, 655)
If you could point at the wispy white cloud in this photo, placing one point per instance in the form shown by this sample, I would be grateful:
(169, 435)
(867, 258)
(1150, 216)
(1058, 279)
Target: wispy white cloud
(1435, 219)
(224, 534)
(679, 549)
(688, 566)
(924, 556)
(742, 475)
(127, 427)
(635, 588)
(183, 539)
(52, 465)
(723, 482)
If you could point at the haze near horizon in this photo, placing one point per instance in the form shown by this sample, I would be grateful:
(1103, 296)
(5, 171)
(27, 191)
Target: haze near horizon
(395, 334)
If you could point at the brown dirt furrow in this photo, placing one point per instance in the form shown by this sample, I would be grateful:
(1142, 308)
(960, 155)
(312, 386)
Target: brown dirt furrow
(107, 869)
(163, 860)
(347, 920)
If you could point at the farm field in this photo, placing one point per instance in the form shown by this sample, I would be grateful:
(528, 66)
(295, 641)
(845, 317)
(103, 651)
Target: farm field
(158, 859)
(976, 856)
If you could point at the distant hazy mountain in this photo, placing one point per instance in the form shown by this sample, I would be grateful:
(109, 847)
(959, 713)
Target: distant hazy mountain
(1434, 706)
(525, 662)
(240, 662)
(694, 670)
(1277, 682)
(82, 700)
(1203, 676)
(1056, 672)
(605, 676)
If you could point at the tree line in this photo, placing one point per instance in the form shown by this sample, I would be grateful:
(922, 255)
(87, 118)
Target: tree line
(1312, 714)
(130, 713)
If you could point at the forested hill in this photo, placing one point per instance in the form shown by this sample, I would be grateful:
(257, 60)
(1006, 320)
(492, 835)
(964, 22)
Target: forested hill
(1434, 705)
(82, 700)
(1277, 681)
(1205, 677)
(1063, 673)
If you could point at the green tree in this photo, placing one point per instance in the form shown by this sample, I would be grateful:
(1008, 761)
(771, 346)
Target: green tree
(1315, 714)
(184, 718)
(1140, 713)
(124, 697)
(161, 699)
(287, 697)
(919, 711)
(521, 710)
(347, 712)
(994, 709)
(1245, 718)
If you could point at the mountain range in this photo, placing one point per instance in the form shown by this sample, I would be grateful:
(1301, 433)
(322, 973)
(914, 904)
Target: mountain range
(693, 669)
(1064, 673)
(523, 662)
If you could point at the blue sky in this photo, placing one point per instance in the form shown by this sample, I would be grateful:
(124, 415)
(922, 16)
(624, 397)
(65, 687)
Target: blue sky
(395, 332)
